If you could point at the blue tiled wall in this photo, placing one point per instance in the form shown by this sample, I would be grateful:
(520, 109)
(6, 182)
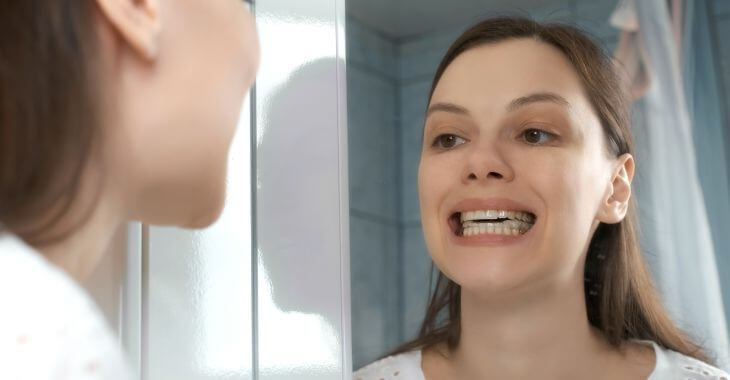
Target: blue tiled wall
(374, 220)
(709, 150)
(722, 24)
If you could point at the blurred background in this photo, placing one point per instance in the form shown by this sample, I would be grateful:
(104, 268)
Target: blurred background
(680, 123)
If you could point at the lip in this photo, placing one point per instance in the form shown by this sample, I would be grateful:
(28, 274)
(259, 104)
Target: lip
(472, 204)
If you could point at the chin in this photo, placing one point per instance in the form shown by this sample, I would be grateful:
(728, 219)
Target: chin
(206, 216)
(488, 276)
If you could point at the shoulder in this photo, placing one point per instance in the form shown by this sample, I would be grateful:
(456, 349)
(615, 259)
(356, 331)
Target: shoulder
(51, 329)
(405, 366)
(674, 365)
(36, 292)
(690, 368)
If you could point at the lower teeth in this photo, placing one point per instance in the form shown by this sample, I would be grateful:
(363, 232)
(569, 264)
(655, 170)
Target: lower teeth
(509, 228)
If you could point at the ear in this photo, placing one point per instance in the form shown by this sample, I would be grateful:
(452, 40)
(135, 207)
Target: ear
(616, 200)
(136, 21)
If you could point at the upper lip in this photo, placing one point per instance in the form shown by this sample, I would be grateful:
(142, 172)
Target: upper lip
(473, 204)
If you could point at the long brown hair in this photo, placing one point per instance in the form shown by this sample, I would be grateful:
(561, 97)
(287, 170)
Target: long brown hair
(620, 297)
(48, 110)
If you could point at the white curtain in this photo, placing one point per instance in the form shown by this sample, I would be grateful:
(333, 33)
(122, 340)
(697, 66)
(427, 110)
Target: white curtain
(674, 230)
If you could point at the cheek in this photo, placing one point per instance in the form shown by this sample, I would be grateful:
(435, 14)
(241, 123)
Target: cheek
(571, 191)
(433, 184)
(436, 179)
(218, 44)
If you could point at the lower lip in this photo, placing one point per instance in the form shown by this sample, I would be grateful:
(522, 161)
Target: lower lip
(489, 239)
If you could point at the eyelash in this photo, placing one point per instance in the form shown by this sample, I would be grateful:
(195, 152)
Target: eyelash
(438, 142)
(549, 135)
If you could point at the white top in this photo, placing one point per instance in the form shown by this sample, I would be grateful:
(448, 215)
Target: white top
(670, 365)
(49, 328)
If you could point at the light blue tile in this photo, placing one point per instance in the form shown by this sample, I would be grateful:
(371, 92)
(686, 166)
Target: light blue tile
(372, 144)
(410, 207)
(413, 99)
(419, 57)
(374, 276)
(723, 29)
(372, 178)
(409, 196)
(417, 267)
(436, 40)
(722, 7)
(593, 17)
(368, 48)
(562, 12)
(372, 104)
(609, 45)
(420, 66)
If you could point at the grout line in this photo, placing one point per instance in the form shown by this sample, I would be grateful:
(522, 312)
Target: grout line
(364, 25)
(411, 224)
(372, 71)
(722, 74)
(417, 79)
(400, 241)
(370, 217)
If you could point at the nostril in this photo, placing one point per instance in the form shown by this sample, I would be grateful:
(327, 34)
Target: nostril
(495, 175)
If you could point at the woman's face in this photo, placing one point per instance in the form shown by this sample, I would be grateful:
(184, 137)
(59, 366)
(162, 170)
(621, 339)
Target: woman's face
(514, 169)
(173, 115)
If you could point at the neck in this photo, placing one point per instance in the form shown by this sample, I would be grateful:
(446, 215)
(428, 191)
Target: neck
(79, 253)
(547, 334)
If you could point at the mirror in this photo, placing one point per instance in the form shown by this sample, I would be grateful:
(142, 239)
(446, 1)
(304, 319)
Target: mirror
(393, 49)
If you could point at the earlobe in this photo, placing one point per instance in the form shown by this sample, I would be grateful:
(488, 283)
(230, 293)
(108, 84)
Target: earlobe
(137, 22)
(616, 203)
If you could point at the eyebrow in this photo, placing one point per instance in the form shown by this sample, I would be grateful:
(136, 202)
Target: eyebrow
(537, 97)
(447, 107)
(515, 104)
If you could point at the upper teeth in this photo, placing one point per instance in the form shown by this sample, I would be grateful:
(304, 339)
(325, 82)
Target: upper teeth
(496, 214)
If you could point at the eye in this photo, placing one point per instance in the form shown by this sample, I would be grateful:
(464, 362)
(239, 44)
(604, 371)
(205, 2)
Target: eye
(535, 136)
(447, 141)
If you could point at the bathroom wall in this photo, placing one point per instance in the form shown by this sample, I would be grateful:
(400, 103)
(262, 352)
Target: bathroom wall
(374, 191)
(712, 142)
(721, 10)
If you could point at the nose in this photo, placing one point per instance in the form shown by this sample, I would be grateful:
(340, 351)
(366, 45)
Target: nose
(486, 163)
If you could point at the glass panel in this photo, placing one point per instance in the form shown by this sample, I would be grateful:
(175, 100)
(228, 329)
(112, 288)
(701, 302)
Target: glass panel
(198, 304)
(301, 194)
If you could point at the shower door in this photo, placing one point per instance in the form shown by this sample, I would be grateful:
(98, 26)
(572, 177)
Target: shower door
(264, 292)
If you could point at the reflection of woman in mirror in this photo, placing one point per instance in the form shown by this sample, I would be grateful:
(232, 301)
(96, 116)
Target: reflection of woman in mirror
(525, 190)
(110, 111)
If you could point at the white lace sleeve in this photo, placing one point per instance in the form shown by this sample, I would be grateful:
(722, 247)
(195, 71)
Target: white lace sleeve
(671, 365)
(49, 328)
(405, 366)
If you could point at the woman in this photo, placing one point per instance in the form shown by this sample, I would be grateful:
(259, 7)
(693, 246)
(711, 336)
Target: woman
(110, 111)
(525, 193)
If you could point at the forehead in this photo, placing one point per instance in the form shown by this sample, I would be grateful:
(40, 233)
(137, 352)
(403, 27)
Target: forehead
(492, 75)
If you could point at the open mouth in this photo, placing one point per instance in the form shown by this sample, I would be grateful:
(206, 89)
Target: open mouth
(492, 222)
